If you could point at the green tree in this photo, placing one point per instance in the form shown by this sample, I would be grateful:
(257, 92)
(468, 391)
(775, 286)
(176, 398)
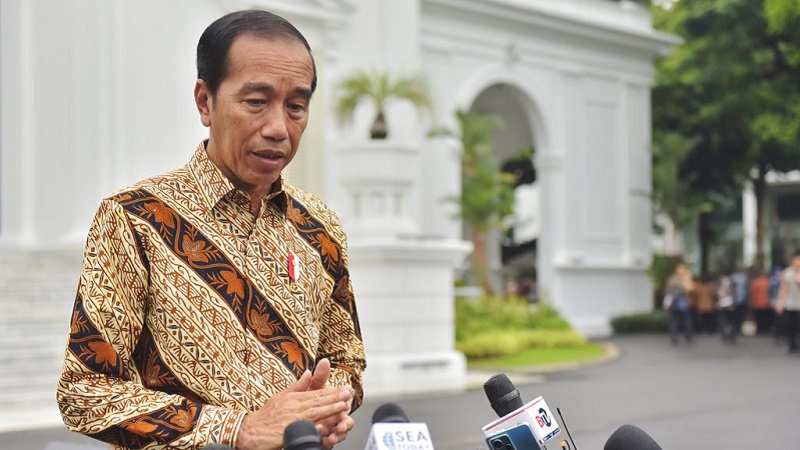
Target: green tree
(487, 194)
(672, 194)
(733, 88)
(783, 16)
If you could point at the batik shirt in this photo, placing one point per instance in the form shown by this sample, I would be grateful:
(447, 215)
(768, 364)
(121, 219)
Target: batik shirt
(190, 312)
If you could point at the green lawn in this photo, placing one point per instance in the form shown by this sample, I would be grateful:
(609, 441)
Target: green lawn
(541, 356)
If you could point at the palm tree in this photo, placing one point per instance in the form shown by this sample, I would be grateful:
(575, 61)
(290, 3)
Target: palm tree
(380, 88)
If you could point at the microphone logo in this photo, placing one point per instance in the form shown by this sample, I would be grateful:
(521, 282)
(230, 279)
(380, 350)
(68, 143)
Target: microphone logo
(406, 440)
(543, 418)
(388, 441)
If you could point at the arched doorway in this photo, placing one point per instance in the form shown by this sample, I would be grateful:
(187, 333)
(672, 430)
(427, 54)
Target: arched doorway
(512, 252)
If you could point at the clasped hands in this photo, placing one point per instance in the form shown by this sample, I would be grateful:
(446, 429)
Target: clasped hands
(308, 398)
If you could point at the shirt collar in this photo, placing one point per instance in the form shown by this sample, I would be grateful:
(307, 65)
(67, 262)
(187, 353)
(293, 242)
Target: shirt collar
(214, 185)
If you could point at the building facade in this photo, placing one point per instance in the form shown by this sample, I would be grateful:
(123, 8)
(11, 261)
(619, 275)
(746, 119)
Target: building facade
(98, 94)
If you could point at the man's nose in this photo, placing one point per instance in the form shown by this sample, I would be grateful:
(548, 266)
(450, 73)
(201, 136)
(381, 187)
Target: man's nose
(275, 122)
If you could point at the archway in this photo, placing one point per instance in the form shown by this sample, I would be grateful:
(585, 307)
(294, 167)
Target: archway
(511, 252)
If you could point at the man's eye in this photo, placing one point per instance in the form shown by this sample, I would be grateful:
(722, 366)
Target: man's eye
(297, 107)
(256, 102)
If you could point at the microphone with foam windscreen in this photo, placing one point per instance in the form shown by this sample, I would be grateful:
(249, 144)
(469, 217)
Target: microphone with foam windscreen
(520, 426)
(630, 437)
(389, 413)
(301, 435)
(391, 430)
(502, 394)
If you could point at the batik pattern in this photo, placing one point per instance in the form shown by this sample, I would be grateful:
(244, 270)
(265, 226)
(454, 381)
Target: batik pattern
(186, 317)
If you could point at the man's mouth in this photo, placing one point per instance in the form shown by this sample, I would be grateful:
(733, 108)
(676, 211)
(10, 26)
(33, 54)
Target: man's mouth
(270, 155)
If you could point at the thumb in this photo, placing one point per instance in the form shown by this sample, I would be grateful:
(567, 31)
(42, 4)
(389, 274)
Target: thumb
(302, 384)
(321, 374)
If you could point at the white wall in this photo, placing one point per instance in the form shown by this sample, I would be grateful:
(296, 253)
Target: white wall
(96, 94)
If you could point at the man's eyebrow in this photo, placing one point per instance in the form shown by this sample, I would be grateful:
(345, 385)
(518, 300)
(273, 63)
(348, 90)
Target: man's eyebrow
(250, 87)
(303, 92)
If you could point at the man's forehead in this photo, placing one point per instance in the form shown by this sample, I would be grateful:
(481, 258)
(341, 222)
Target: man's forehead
(250, 47)
(276, 42)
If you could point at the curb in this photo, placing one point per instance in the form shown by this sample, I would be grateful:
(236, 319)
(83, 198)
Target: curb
(537, 373)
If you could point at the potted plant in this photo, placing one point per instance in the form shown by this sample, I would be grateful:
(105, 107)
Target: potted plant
(380, 88)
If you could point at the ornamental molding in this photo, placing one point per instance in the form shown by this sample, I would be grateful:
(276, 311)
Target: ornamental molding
(330, 11)
(623, 25)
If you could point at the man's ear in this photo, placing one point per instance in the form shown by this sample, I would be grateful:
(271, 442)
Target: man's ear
(204, 101)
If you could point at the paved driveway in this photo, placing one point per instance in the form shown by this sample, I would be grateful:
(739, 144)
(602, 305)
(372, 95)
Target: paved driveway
(707, 395)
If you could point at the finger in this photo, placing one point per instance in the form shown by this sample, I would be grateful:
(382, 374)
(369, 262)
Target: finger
(323, 402)
(302, 383)
(345, 424)
(334, 439)
(327, 426)
(333, 424)
(321, 374)
(329, 395)
(322, 430)
(330, 440)
(326, 410)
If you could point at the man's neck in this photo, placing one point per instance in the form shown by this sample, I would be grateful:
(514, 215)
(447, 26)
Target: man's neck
(255, 205)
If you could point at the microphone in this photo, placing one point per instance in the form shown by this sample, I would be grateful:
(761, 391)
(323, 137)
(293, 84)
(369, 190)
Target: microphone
(520, 426)
(301, 435)
(389, 413)
(630, 437)
(391, 430)
(217, 447)
(502, 394)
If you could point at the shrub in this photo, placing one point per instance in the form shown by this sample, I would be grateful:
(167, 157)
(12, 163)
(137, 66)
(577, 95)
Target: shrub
(647, 322)
(490, 313)
(490, 345)
(509, 342)
(491, 327)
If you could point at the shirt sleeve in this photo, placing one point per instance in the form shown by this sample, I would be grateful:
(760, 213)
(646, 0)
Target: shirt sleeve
(100, 392)
(341, 340)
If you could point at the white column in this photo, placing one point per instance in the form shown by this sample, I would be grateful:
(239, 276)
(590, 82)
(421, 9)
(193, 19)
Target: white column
(16, 198)
(749, 211)
(404, 291)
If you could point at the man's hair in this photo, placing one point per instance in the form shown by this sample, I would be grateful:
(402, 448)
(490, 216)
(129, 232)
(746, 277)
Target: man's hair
(216, 40)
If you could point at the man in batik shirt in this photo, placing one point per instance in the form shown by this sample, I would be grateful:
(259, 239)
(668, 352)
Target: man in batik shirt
(215, 304)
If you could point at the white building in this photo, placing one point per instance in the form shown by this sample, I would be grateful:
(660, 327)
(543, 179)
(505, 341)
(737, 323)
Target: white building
(97, 94)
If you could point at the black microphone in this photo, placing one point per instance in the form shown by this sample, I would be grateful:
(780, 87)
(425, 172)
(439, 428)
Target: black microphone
(301, 435)
(391, 430)
(521, 426)
(502, 394)
(630, 437)
(389, 413)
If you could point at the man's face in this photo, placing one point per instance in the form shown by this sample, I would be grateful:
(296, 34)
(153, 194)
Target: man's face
(259, 112)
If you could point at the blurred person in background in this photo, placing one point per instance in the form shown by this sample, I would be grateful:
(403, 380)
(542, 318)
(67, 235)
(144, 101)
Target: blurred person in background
(726, 304)
(677, 302)
(788, 305)
(741, 292)
(705, 301)
(760, 305)
(778, 322)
